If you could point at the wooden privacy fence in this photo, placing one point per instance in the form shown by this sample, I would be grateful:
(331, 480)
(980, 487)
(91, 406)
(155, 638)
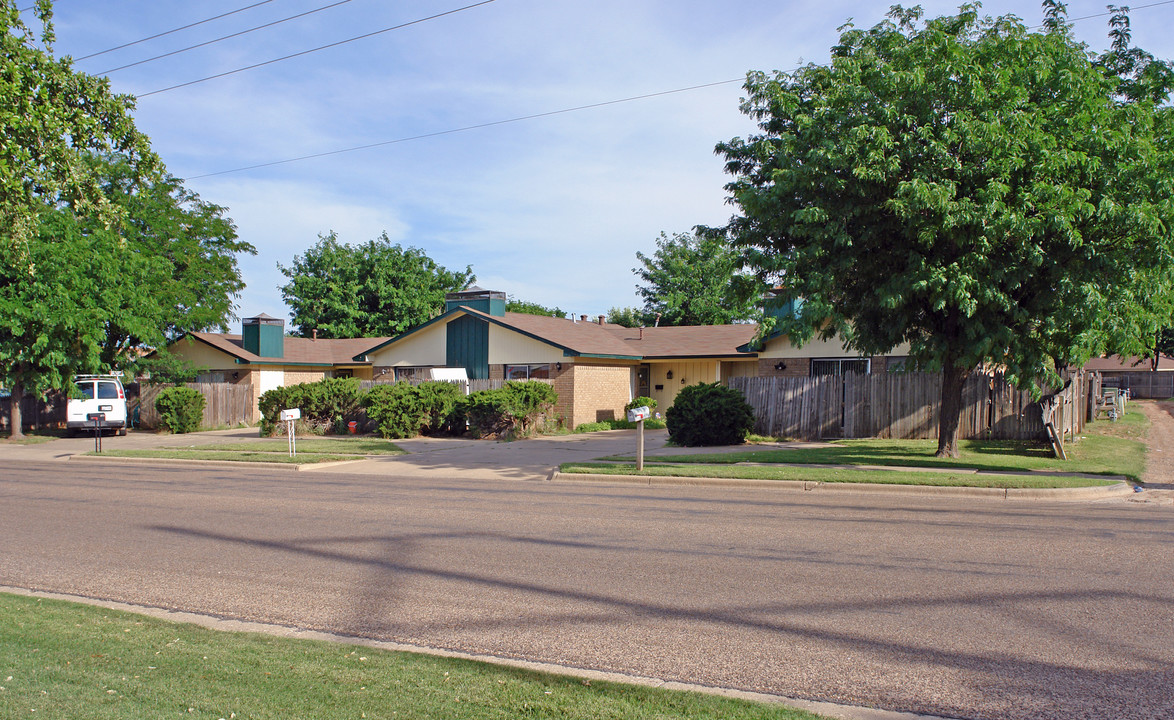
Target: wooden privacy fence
(899, 406)
(1143, 384)
(225, 404)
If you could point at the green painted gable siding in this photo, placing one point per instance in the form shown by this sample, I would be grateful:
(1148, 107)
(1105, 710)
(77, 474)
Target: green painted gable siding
(468, 346)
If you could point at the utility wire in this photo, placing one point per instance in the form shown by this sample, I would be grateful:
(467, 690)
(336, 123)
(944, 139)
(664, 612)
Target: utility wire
(1106, 14)
(226, 37)
(314, 50)
(530, 117)
(174, 30)
(471, 127)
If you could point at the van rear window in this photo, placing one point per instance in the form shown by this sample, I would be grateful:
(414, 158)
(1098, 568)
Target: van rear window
(107, 390)
(86, 389)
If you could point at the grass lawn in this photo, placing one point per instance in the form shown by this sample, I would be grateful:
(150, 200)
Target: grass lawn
(310, 450)
(230, 455)
(1109, 448)
(66, 660)
(959, 478)
(339, 445)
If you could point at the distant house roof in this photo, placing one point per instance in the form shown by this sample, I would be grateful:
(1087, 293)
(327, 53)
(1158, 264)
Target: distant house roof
(1116, 363)
(297, 351)
(592, 339)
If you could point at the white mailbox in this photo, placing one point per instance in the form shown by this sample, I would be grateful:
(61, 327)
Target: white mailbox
(295, 414)
(638, 414)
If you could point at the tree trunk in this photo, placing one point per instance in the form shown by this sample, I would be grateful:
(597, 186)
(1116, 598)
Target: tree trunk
(953, 380)
(15, 430)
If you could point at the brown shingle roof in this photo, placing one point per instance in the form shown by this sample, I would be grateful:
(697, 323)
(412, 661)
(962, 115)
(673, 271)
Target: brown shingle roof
(589, 338)
(297, 350)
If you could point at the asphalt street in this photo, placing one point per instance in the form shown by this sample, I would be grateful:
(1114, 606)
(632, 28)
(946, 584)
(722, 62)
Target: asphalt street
(964, 608)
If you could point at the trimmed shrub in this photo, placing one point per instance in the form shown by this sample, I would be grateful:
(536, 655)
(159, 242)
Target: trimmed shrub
(438, 403)
(397, 409)
(326, 405)
(181, 409)
(640, 402)
(709, 414)
(528, 401)
(512, 411)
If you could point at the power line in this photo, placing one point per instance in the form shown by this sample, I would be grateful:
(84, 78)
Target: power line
(525, 117)
(1106, 14)
(174, 30)
(470, 127)
(314, 50)
(226, 37)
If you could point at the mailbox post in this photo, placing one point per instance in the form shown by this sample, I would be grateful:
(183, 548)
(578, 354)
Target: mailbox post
(638, 416)
(290, 418)
(97, 418)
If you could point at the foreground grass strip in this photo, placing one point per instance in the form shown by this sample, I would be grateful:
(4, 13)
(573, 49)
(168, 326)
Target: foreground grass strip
(835, 475)
(65, 660)
(1106, 448)
(231, 456)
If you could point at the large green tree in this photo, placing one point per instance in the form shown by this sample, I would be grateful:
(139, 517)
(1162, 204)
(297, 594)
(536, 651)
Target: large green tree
(960, 184)
(52, 121)
(369, 290)
(181, 261)
(694, 279)
(526, 307)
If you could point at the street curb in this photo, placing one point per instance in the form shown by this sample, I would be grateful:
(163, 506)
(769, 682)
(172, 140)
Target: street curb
(212, 463)
(213, 622)
(1071, 494)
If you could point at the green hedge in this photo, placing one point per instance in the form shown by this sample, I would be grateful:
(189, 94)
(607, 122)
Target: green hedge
(181, 409)
(327, 405)
(709, 414)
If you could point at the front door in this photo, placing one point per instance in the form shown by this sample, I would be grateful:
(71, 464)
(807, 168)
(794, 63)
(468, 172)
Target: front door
(643, 379)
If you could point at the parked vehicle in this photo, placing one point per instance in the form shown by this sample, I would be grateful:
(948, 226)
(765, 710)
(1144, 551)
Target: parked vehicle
(97, 394)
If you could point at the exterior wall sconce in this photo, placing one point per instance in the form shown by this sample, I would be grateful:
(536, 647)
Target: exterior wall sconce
(668, 375)
(780, 365)
(558, 366)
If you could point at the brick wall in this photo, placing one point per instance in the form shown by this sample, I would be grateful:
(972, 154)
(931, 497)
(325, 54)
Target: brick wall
(564, 385)
(796, 367)
(600, 392)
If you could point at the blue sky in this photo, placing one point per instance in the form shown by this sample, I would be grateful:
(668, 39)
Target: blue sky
(551, 210)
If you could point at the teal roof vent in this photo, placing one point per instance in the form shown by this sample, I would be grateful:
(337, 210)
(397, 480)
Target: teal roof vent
(264, 336)
(490, 302)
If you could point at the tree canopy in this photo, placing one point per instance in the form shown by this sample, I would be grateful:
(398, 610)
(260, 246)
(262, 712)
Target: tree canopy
(80, 283)
(958, 184)
(525, 307)
(52, 119)
(371, 290)
(693, 279)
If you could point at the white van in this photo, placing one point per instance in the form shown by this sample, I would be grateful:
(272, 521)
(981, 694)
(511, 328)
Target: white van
(97, 394)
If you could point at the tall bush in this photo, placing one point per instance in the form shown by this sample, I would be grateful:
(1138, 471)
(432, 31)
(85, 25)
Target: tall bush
(438, 406)
(396, 409)
(709, 414)
(511, 411)
(326, 404)
(181, 409)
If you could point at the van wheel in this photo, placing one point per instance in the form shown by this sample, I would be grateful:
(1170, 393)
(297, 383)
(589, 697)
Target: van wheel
(122, 432)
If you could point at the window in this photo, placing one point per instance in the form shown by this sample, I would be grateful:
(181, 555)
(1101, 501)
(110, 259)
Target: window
(411, 373)
(861, 366)
(527, 372)
(86, 389)
(107, 390)
(343, 373)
